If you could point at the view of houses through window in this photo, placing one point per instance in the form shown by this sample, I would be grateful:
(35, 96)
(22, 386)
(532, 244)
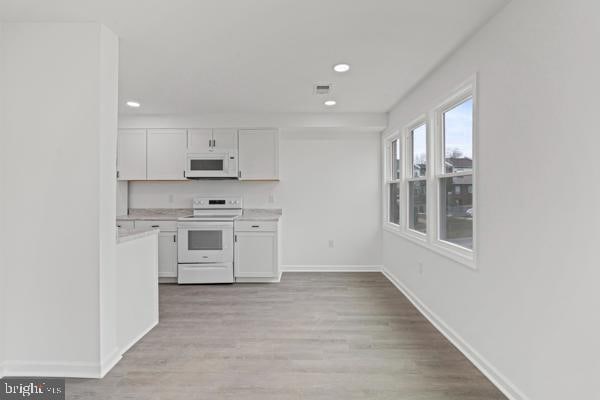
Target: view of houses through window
(456, 184)
(417, 184)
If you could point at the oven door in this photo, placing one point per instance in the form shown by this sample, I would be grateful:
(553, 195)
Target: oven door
(205, 242)
(211, 165)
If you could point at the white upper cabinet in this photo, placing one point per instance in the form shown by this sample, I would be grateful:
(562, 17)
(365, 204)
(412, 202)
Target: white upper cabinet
(161, 154)
(131, 154)
(212, 140)
(259, 154)
(199, 140)
(166, 154)
(225, 139)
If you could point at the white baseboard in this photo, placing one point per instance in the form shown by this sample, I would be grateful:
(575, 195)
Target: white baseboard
(277, 279)
(110, 361)
(486, 368)
(53, 370)
(69, 369)
(331, 268)
(136, 339)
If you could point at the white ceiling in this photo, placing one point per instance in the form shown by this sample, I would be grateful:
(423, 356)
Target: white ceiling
(211, 56)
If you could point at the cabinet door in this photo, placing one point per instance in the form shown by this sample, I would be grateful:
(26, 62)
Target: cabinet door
(225, 139)
(259, 154)
(131, 154)
(166, 154)
(256, 255)
(167, 255)
(199, 140)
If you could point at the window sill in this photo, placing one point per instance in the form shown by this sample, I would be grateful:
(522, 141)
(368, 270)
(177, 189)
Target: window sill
(438, 247)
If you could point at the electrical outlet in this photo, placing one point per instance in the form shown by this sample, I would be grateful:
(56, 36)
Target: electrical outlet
(171, 198)
(271, 199)
(331, 244)
(420, 264)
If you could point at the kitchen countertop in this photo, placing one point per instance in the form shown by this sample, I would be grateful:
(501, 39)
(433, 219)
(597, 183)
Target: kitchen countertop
(171, 214)
(128, 235)
(260, 214)
(155, 214)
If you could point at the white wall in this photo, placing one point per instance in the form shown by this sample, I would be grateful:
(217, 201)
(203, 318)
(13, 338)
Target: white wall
(137, 289)
(107, 155)
(58, 141)
(530, 311)
(329, 190)
(2, 210)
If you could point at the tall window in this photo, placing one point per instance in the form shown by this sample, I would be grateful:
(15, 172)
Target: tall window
(417, 179)
(456, 177)
(430, 178)
(393, 183)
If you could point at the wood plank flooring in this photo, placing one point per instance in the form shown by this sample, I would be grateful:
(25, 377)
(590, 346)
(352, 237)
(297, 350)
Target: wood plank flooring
(313, 336)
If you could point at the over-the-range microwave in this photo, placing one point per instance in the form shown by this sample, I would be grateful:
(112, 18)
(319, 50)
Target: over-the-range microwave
(217, 165)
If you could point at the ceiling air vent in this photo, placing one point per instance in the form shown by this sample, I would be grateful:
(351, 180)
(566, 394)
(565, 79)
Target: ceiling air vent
(322, 88)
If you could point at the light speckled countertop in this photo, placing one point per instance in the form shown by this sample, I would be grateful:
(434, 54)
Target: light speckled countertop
(260, 214)
(132, 234)
(155, 214)
(171, 214)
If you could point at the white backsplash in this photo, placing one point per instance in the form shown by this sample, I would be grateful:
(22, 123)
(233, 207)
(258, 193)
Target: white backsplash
(180, 194)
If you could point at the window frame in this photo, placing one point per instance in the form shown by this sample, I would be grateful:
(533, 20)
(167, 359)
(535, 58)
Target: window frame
(390, 179)
(460, 95)
(433, 120)
(408, 177)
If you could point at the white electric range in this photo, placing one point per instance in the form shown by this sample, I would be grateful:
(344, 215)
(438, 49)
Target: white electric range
(205, 240)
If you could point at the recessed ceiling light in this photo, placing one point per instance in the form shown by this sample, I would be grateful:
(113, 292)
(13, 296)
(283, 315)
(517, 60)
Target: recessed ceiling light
(330, 103)
(133, 104)
(341, 67)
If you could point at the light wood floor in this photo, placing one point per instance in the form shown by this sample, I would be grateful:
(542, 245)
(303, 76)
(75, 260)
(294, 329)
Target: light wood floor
(313, 336)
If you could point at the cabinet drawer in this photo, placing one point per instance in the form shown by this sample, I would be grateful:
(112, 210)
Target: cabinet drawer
(258, 226)
(164, 226)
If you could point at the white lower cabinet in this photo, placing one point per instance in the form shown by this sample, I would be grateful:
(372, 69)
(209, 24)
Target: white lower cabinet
(167, 246)
(167, 255)
(256, 251)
